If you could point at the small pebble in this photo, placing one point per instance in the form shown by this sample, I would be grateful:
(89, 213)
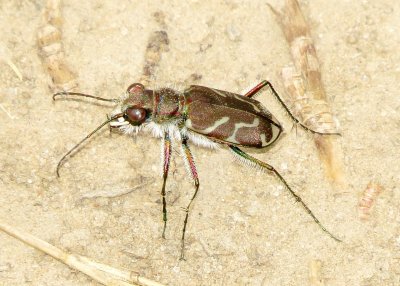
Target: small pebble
(233, 33)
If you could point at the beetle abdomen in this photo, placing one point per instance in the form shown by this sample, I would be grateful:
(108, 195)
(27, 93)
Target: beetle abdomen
(231, 125)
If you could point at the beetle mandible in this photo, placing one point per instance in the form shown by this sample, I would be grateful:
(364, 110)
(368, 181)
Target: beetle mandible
(206, 116)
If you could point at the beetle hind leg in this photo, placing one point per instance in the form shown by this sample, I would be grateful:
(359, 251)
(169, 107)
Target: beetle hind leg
(265, 83)
(261, 165)
(189, 160)
(166, 156)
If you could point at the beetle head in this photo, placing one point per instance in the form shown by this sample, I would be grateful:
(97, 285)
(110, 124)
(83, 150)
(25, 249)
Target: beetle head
(136, 108)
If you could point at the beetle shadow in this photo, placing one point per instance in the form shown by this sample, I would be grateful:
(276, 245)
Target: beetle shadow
(94, 103)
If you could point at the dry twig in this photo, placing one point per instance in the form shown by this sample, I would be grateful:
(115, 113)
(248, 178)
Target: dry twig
(304, 85)
(367, 200)
(157, 44)
(101, 273)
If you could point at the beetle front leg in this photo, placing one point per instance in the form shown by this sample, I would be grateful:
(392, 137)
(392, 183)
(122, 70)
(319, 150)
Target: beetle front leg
(166, 155)
(188, 157)
(255, 162)
(265, 83)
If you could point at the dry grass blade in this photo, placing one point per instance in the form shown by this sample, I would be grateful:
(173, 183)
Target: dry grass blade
(14, 68)
(304, 85)
(6, 112)
(101, 273)
(5, 56)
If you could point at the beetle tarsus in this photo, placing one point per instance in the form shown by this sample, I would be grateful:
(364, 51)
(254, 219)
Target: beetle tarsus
(268, 167)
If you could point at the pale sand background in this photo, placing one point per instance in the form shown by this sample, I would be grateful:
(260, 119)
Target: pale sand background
(244, 228)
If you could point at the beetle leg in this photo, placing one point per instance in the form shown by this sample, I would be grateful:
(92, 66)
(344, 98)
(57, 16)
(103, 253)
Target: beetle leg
(264, 83)
(255, 162)
(166, 155)
(257, 88)
(188, 157)
(109, 126)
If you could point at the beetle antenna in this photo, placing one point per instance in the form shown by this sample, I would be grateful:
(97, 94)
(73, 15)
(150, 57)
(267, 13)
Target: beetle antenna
(83, 140)
(85, 95)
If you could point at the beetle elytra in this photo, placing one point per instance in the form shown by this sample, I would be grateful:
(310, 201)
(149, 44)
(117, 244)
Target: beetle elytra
(205, 116)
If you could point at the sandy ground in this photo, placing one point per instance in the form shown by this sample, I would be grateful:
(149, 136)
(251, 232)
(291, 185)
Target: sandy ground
(245, 228)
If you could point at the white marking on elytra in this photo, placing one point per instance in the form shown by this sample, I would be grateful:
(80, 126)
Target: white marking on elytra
(263, 141)
(245, 99)
(275, 133)
(239, 125)
(210, 129)
(261, 107)
(241, 98)
(218, 92)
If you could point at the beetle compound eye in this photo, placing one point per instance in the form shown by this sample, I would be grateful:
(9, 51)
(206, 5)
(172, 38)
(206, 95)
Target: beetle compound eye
(135, 88)
(135, 115)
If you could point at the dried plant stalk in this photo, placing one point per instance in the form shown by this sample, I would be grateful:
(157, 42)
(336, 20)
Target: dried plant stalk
(101, 273)
(315, 276)
(51, 49)
(157, 44)
(304, 85)
(367, 200)
(315, 113)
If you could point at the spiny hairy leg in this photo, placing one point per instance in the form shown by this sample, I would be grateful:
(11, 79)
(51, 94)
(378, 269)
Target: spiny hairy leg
(255, 162)
(166, 155)
(265, 83)
(188, 157)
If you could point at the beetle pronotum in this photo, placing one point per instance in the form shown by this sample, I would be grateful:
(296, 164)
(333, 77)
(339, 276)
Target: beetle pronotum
(205, 116)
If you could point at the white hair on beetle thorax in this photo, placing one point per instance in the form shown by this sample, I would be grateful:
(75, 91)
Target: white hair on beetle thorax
(158, 130)
(201, 140)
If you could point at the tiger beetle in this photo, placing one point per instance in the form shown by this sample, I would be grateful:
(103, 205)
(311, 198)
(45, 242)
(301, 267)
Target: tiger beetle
(205, 116)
